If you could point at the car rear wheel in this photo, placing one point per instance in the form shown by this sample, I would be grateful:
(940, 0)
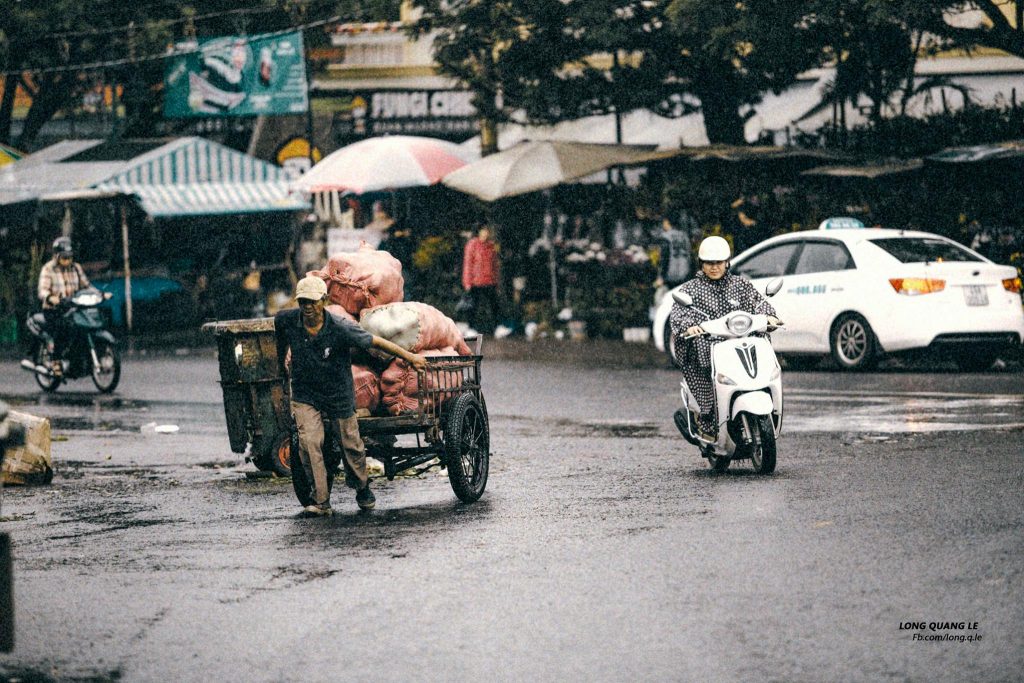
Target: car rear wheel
(854, 346)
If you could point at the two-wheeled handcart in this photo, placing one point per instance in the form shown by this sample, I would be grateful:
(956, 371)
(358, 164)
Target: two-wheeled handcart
(449, 424)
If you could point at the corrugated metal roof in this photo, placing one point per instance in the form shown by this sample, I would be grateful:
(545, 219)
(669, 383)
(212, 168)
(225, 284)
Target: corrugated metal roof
(184, 176)
(206, 199)
(195, 160)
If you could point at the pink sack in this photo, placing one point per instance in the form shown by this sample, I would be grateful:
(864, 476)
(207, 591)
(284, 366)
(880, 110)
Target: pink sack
(341, 313)
(399, 384)
(367, 388)
(367, 277)
(414, 326)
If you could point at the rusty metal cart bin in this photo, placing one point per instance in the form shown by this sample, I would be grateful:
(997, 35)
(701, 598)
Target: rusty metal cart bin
(450, 421)
(255, 395)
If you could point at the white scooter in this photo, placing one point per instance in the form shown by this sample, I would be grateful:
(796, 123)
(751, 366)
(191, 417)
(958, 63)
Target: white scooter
(748, 391)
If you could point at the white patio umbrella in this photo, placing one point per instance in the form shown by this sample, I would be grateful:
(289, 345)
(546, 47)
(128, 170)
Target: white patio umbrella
(384, 163)
(541, 164)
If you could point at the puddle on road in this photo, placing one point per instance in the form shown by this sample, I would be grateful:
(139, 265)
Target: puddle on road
(609, 429)
(92, 400)
(895, 413)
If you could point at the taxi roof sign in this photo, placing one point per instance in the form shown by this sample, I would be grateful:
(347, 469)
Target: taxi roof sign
(840, 222)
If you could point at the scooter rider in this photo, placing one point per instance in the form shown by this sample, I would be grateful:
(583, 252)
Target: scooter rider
(715, 293)
(59, 279)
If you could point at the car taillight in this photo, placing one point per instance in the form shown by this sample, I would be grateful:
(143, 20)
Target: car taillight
(912, 286)
(1012, 284)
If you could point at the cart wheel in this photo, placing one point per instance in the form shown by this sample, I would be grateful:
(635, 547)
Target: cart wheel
(281, 454)
(467, 448)
(273, 454)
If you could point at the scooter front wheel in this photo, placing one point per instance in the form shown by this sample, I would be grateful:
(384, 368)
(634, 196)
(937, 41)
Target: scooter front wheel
(106, 371)
(762, 451)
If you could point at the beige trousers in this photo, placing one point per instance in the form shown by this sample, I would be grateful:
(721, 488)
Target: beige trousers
(309, 421)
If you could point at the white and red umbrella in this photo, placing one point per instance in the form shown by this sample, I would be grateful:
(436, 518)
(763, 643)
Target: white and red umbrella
(384, 163)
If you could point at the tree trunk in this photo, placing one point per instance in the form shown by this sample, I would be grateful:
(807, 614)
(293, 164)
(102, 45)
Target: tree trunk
(488, 136)
(52, 94)
(7, 107)
(722, 121)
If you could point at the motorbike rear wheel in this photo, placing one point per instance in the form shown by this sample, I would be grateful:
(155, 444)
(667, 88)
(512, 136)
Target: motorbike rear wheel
(47, 383)
(762, 452)
(107, 374)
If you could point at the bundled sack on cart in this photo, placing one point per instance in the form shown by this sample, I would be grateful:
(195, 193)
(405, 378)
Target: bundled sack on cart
(414, 326)
(339, 310)
(399, 384)
(372, 359)
(366, 384)
(359, 279)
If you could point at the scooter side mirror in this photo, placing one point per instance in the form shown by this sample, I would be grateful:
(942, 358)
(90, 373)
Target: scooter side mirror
(682, 298)
(773, 287)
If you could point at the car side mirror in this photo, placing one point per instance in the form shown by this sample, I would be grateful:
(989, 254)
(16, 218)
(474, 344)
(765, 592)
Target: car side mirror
(773, 287)
(682, 298)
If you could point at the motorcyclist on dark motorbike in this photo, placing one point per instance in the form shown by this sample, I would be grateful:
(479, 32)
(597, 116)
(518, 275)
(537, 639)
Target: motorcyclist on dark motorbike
(59, 279)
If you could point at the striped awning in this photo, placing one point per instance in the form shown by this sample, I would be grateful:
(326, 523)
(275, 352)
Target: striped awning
(206, 199)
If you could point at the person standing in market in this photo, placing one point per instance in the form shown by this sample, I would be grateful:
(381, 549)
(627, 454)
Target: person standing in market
(321, 386)
(674, 255)
(480, 279)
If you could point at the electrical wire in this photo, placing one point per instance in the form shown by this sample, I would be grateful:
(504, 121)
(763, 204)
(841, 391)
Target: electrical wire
(90, 66)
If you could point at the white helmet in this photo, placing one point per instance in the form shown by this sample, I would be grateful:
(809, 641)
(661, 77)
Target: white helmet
(714, 248)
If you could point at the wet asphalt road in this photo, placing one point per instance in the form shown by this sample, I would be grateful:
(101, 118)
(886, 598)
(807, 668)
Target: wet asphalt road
(603, 549)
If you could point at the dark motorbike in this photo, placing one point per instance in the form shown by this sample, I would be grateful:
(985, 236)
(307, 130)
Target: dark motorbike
(88, 348)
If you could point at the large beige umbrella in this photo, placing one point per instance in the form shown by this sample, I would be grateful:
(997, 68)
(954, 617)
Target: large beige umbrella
(538, 165)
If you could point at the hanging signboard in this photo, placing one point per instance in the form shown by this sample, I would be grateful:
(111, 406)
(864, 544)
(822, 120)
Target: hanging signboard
(237, 76)
(447, 114)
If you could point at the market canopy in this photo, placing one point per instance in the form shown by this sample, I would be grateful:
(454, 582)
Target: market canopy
(744, 153)
(194, 177)
(187, 176)
(868, 171)
(996, 151)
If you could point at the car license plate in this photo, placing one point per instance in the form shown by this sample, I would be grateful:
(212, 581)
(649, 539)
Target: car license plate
(976, 295)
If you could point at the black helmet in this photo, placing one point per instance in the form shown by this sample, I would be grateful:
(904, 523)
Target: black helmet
(62, 247)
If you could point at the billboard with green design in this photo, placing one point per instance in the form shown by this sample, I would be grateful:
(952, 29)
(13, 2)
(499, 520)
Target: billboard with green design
(237, 76)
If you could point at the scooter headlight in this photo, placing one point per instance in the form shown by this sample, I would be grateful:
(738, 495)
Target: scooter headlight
(723, 379)
(739, 324)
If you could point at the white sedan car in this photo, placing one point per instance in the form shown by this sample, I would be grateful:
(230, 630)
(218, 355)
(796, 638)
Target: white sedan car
(860, 293)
